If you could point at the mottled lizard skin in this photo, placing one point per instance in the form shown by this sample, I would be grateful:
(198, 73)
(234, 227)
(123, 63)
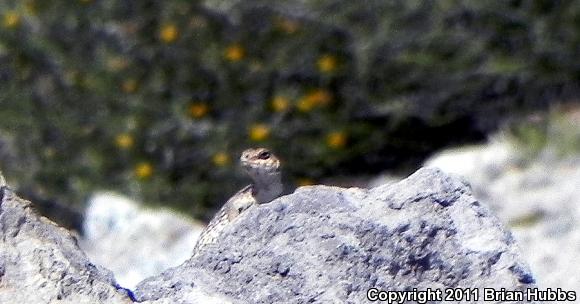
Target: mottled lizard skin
(264, 169)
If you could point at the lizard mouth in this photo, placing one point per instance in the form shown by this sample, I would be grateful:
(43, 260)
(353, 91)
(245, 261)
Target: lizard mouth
(246, 164)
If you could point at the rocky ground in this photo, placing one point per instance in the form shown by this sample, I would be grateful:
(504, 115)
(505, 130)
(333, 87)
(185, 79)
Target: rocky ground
(330, 245)
(538, 199)
(414, 233)
(321, 244)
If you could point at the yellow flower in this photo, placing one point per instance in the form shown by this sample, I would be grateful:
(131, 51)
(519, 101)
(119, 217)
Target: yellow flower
(280, 103)
(305, 181)
(259, 132)
(316, 98)
(287, 25)
(129, 85)
(198, 109)
(168, 33)
(221, 159)
(124, 141)
(305, 104)
(143, 170)
(116, 64)
(11, 19)
(256, 66)
(320, 97)
(197, 22)
(327, 63)
(49, 152)
(235, 52)
(336, 140)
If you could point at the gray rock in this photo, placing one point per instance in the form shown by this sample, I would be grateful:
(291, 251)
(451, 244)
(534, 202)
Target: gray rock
(539, 198)
(330, 245)
(41, 262)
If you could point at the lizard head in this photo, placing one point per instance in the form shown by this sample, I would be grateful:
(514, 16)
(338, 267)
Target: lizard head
(260, 163)
(264, 169)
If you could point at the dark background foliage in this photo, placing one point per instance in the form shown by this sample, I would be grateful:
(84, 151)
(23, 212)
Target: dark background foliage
(158, 98)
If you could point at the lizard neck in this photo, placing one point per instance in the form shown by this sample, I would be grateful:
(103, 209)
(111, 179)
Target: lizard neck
(267, 188)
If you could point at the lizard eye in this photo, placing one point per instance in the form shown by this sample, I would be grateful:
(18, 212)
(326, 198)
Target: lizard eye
(264, 155)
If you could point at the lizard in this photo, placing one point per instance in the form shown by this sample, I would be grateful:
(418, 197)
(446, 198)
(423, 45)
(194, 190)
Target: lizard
(263, 167)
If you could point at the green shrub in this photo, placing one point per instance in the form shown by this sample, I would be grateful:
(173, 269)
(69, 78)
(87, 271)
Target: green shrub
(157, 99)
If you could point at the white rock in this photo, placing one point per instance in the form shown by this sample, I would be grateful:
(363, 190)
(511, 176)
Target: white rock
(135, 242)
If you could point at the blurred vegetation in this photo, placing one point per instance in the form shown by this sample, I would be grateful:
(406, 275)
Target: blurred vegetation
(158, 98)
(554, 134)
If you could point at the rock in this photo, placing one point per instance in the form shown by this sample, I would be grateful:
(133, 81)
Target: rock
(539, 199)
(484, 166)
(41, 262)
(322, 244)
(330, 245)
(135, 242)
